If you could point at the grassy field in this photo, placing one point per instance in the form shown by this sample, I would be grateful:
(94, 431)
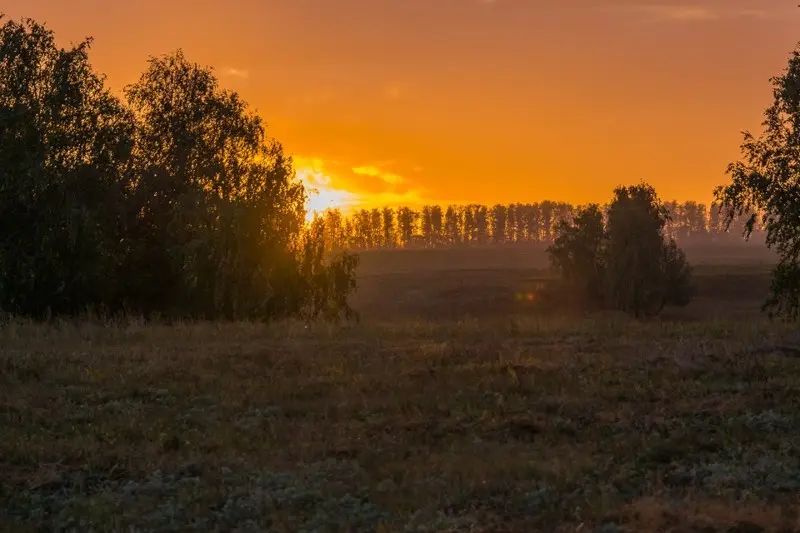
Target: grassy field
(455, 409)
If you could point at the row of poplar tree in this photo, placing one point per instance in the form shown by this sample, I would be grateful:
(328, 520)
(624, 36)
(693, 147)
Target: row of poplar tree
(434, 226)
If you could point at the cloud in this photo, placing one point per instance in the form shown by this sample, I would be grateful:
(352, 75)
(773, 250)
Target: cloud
(236, 73)
(375, 172)
(322, 192)
(410, 198)
(681, 12)
(689, 12)
(753, 13)
(331, 185)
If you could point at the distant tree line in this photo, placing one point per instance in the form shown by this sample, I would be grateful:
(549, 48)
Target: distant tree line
(170, 201)
(434, 226)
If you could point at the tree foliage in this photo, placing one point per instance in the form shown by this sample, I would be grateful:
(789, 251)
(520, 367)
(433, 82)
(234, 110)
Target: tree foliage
(65, 143)
(624, 262)
(765, 184)
(578, 253)
(174, 201)
(645, 270)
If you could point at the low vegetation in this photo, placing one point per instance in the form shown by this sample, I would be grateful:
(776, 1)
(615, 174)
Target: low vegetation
(489, 426)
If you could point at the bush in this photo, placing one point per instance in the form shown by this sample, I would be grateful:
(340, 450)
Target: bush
(624, 262)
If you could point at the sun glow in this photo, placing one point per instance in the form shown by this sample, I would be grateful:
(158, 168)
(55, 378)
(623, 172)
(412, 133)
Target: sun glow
(322, 194)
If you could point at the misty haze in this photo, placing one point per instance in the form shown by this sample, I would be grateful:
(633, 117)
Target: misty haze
(400, 266)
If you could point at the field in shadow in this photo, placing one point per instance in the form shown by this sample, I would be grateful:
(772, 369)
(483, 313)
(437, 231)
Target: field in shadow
(508, 421)
(488, 426)
(504, 281)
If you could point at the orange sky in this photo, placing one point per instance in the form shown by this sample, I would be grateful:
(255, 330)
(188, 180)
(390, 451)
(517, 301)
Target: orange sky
(470, 100)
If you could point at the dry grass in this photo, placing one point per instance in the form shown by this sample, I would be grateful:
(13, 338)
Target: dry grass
(493, 425)
(417, 420)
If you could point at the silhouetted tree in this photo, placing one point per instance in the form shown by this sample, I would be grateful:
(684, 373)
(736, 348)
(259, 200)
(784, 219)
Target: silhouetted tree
(334, 230)
(177, 204)
(521, 230)
(499, 223)
(321, 288)
(468, 224)
(348, 233)
(672, 225)
(431, 225)
(689, 222)
(362, 229)
(678, 287)
(426, 226)
(406, 219)
(375, 227)
(546, 214)
(481, 224)
(389, 237)
(65, 147)
(532, 221)
(624, 263)
(765, 181)
(716, 222)
(452, 225)
(564, 211)
(232, 224)
(511, 223)
(437, 225)
(697, 216)
(643, 272)
(578, 253)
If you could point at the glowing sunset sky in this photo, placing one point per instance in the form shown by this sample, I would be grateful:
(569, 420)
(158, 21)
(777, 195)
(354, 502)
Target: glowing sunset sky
(403, 101)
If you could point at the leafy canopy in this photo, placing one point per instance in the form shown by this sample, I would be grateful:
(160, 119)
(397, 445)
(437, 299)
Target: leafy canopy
(765, 184)
(174, 201)
(578, 253)
(623, 262)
